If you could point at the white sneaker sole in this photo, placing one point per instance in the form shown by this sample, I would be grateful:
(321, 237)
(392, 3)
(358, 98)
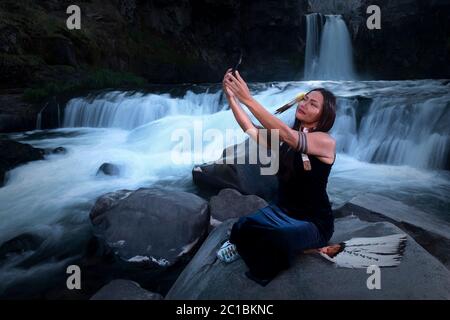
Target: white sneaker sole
(227, 252)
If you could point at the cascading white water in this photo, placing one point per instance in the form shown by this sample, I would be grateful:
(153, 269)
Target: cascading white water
(39, 121)
(312, 50)
(397, 131)
(391, 131)
(402, 124)
(59, 115)
(39, 117)
(126, 111)
(334, 59)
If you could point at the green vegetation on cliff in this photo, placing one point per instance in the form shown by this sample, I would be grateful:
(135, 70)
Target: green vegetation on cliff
(98, 79)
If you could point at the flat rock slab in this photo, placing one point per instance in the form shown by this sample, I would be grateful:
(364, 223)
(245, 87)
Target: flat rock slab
(419, 276)
(401, 212)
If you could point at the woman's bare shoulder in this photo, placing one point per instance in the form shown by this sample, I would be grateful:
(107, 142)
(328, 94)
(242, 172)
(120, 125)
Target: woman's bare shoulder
(325, 136)
(330, 145)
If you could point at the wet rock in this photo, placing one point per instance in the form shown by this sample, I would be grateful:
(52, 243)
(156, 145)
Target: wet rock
(57, 150)
(108, 169)
(124, 290)
(150, 226)
(13, 154)
(19, 245)
(245, 178)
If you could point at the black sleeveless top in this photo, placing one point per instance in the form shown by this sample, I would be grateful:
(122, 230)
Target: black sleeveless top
(302, 195)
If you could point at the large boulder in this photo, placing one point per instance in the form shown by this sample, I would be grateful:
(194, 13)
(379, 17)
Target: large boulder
(419, 275)
(236, 172)
(146, 235)
(124, 290)
(150, 226)
(13, 154)
(230, 203)
(399, 212)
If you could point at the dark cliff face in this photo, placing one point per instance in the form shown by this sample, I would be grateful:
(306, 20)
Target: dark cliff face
(168, 41)
(163, 41)
(414, 41)
(213, 33)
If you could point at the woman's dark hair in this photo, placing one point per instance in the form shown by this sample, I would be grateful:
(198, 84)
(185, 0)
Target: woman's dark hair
(326, 121)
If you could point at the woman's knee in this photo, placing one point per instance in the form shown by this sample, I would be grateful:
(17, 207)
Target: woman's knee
(300, 237)
(236, 230)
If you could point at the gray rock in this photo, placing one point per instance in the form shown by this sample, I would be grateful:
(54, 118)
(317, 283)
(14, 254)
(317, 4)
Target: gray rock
(150, 226)
(59, 150)
(401, 212)
(240, 175)
(124, 290)
(20, 244)
(108, 169)
(230, 203)
(419, 276)
(13, 154)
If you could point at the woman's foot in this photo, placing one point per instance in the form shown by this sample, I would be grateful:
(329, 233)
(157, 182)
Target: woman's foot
(228, 252)
(331, 250)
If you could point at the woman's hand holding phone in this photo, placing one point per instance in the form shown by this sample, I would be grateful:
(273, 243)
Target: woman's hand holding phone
(228, 93)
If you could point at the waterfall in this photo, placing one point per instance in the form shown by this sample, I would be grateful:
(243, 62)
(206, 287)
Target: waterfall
(391, 127)
(314, 25)
(59, 116)
(334, 59)
(129, 110)
(38, 121)
(395, 131)
(387, 132)
(39, 118)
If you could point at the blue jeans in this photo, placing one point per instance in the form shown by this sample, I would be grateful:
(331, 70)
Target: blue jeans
(268, 240)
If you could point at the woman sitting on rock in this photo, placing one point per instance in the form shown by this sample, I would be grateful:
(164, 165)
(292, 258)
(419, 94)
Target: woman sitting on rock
(301, 218)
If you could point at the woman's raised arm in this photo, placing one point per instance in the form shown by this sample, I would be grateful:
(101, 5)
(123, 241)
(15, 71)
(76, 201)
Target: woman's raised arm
(242, 117)
(315, 143)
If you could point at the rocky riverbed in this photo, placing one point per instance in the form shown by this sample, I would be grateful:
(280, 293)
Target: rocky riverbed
(154, 243)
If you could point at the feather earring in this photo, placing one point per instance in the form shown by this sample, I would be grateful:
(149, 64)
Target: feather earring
(384, 251)
(290, 103)
(305, 158)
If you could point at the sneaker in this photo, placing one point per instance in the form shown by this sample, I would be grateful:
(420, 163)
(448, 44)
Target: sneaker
(227, 252)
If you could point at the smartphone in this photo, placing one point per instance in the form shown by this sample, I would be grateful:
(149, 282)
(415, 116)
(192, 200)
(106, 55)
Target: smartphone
(237, 65)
